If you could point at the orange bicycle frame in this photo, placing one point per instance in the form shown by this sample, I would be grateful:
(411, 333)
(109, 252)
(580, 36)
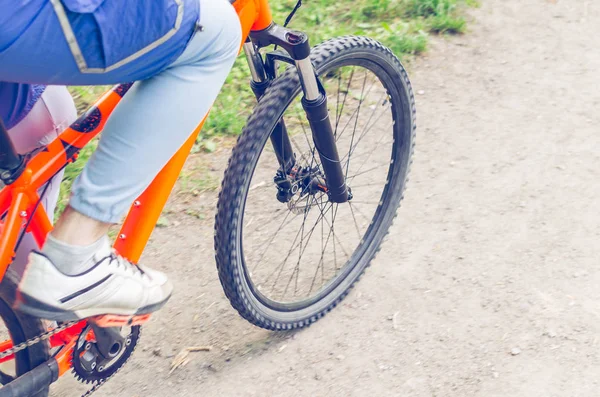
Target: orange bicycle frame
(19, 200)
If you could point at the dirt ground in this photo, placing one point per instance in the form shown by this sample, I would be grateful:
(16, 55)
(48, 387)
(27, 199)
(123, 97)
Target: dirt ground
(488, 283)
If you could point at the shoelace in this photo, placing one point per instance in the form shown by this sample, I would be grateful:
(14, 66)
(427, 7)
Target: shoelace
(125, 264)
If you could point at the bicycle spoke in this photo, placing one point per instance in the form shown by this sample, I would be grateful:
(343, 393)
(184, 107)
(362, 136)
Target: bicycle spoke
(344, 102)
(363, 135)
(302, 249)
(355, 223)
(322, 253)
(281, 226)
(355, 112)
(364, 202)
(294, 141)
(337, 102)
(309, 235)
(280, 267)
(321, 264)
(297, 267)
(351, 177)
(338, 240)
(354, 207)
(363, 185)
(367, 129)
(333, 214)
(356, 123)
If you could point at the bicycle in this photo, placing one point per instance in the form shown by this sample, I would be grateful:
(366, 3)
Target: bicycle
(311, 182)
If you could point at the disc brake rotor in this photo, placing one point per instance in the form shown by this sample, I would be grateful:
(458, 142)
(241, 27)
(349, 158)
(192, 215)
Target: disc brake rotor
(295, 188)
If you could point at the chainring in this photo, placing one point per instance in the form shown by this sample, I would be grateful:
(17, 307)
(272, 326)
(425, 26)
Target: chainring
(89, 366)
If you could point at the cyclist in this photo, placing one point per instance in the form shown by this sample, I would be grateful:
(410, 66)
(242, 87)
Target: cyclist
(179, 52)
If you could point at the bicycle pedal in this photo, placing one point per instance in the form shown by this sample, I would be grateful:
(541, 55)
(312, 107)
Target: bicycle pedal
(116, 320)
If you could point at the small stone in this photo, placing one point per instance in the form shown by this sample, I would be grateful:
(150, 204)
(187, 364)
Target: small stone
(340, 357)
(551, 333)
(208, 366)
(515, 351)
(421, 92)
(495, 375)
(317, 377)
(156, 352)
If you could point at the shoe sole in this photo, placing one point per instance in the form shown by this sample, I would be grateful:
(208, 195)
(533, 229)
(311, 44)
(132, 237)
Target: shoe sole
(103, 317)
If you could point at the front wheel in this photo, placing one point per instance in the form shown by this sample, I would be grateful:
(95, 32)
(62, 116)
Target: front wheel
(287, 255)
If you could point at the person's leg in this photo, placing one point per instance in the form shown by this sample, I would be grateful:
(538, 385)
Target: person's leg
(54, 112)
(150, 124)
(153, 120)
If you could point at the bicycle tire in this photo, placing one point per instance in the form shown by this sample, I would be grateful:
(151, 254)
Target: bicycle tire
(21, 328)
(235, 184)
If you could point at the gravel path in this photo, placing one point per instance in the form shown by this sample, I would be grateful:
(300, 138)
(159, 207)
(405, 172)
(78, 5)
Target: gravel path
(488, 283)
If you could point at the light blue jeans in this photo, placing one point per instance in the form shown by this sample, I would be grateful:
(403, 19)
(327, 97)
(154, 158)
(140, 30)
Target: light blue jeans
(157, 116)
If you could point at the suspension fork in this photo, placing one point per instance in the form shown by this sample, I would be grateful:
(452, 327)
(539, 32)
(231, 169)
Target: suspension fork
(314, 102)
(259, 83)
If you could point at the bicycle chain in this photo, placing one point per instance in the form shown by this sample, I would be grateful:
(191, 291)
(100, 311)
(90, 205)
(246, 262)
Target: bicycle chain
(45, 336)
(97, 386)
(33, 341)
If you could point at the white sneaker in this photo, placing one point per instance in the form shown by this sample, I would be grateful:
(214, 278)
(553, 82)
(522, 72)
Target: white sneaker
(112, 286)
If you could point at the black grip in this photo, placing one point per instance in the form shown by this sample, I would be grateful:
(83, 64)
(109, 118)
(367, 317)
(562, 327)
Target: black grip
(33, 381)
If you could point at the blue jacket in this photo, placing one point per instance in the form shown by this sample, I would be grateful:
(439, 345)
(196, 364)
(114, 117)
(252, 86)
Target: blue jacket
(85, 42)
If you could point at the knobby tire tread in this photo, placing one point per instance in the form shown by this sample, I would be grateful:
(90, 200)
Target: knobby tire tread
(249, 145)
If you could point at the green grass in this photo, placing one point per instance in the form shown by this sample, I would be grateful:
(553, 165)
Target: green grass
(196, 180)
(441, 15)
(71, 173)
(402, 25)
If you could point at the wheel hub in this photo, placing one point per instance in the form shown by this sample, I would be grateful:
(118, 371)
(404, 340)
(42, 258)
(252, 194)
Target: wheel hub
(301, 181)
